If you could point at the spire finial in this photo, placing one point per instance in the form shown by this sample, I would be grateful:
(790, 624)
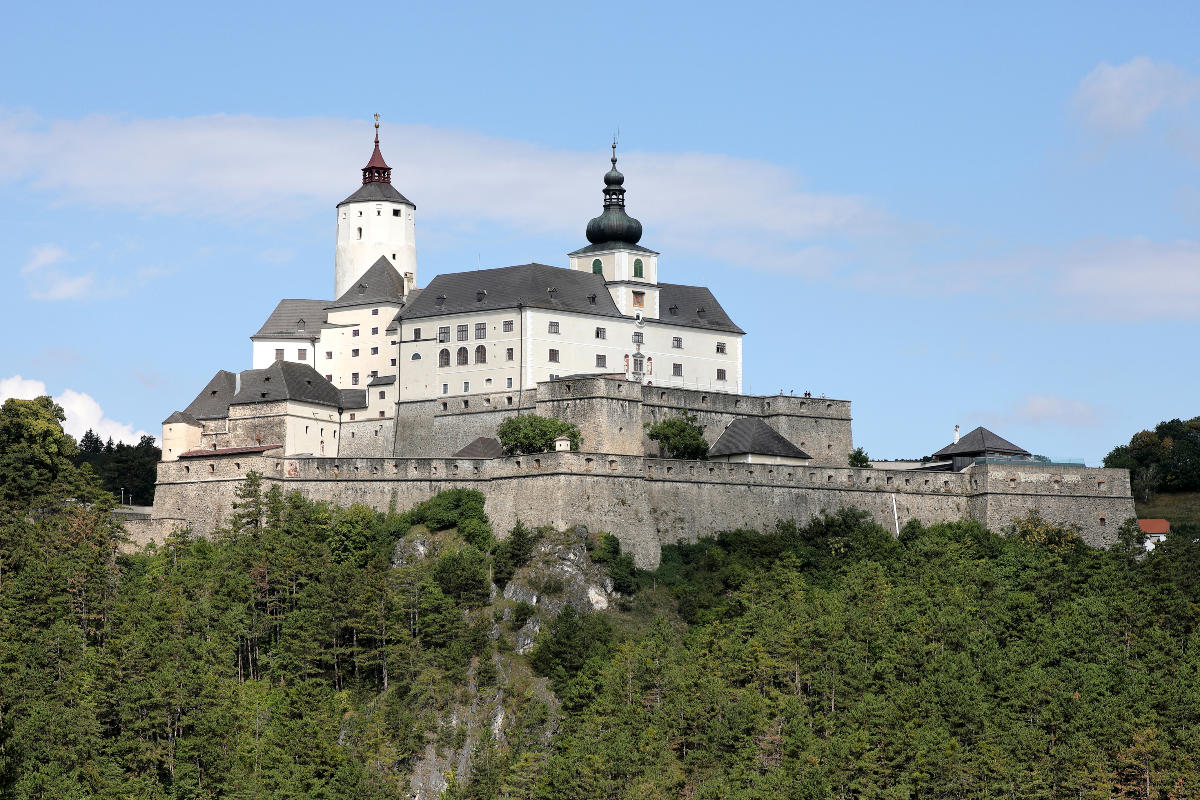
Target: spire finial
(377, 170)
(376, 129)
(614, 147)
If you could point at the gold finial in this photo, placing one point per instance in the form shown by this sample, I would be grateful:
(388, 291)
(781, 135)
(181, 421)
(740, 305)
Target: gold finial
(376, 122)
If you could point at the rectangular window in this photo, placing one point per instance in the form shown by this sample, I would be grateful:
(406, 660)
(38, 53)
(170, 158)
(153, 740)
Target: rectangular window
(374, 351)
(328, 354)
(329, 378)
(508, 383)
(393, 362)
(720, 374)
(601, 333)
(351, 416)
(480, 330)
(466, 386)
(461, 332)
(639, 299)
(445, 388)
(383, 395)
(508, 326)
(354, 332)
(374, 331)
(302, 354)
(395, 212)
(354, 353)
(279, 354)
(380, 414)
(508, 354)
(601, 361)
(553, 356)
(553, 328)
(677, 370)
(416, 334)
(720, 347)
(444, 333)
(638, 338)
(354, 379)
(374, 373)
(677, 342)
(374, 312)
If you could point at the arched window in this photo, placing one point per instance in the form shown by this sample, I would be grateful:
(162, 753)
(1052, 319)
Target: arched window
(597, 267)
(462, 356)
(637, 268)
(444, 358)
(480, 355)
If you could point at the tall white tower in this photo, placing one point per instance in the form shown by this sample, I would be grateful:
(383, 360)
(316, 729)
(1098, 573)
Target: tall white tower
(375, 221)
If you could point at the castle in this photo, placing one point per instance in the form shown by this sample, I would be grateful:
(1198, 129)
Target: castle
(390, 392)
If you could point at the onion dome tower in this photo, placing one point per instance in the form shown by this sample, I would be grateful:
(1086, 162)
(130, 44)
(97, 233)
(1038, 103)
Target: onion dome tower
(630, 271)
(376, 221)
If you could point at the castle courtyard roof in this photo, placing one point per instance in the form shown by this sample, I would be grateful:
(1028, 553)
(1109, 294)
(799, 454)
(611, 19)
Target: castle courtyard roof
(750, 435)
(483, 447)
(213, 400)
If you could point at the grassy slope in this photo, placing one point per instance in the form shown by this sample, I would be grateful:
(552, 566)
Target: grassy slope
(1179, 508)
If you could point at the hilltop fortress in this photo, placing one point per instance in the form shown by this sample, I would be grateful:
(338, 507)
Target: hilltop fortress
(389, 393)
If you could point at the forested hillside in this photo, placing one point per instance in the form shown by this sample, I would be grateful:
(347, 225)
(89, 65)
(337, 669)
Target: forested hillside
(310, 651)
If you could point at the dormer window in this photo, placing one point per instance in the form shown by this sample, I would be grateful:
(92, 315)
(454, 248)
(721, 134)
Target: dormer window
(552, 291)
(479, 295)
(674, 311)
(701, 311)
(440, 299)
(299, 324)
(592, 299)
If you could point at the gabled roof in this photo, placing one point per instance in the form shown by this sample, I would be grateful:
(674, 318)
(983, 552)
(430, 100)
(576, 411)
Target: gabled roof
(978, 442)
(383, 192)
(693, 306)
(382, 380)
(1154, 525)
(483, 447)
(382, 283)
(286, 380)
(284, 322)
(181, 416)
(229, 451)
(752, 435)
(213, 401)
(511, 287)
(353, 398)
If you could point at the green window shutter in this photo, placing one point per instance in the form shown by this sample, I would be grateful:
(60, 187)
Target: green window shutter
(637, 268)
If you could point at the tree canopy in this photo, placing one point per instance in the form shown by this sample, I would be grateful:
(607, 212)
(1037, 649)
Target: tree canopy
(530, 433)
(679, 437)
(1165, 459)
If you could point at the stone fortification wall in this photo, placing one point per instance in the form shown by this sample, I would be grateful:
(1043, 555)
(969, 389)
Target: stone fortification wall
(651, 502)
(366, 437)
(609, 412)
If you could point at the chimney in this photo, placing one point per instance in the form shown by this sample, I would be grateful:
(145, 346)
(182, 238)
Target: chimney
(956, 434)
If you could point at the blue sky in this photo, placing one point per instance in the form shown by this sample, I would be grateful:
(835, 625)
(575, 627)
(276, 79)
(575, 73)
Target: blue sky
(944, 213)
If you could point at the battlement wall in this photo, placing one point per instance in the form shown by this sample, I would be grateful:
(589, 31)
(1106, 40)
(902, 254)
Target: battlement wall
(650, 502)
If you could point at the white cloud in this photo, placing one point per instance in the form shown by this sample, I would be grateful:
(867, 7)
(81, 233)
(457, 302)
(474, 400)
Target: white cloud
(82, 410)
(45, 280)
(1046, 409)
(43, 256)
(1121, 99)
(244, 167)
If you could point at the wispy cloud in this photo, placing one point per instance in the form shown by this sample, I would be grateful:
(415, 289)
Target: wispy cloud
(46, 280)
(239, 167)
(82, 410)
(1047, 409)
(1118, 100)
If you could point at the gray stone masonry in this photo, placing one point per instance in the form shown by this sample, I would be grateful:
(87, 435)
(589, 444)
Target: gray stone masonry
(649, 502)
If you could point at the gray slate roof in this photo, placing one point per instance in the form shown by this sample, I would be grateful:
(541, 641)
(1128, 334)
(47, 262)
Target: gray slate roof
(752, 435)
(382, 283)
(510, 287)
(483, 447)
(283, 322)
(377, 191)
(606, 247)
(181, 416)
(978, 442)
(353, 398)
(694, 306)
(213, 401)
(382, 380)
(286, 380)
(527, 285)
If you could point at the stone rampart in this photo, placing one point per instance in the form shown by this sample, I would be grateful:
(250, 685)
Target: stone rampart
(650, 502)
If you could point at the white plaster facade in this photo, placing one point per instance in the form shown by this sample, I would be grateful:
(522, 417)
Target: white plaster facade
(370, 229)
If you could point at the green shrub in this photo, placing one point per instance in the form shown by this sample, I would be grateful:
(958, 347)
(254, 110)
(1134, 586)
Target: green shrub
(463, 576)
(679, 437)
(620, 565)
(448, 509)
(522, 612)
(477, 533)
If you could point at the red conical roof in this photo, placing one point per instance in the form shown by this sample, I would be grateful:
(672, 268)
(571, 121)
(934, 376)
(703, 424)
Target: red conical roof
(377, 170)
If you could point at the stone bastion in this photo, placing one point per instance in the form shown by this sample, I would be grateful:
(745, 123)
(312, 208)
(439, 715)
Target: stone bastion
(648, 502)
